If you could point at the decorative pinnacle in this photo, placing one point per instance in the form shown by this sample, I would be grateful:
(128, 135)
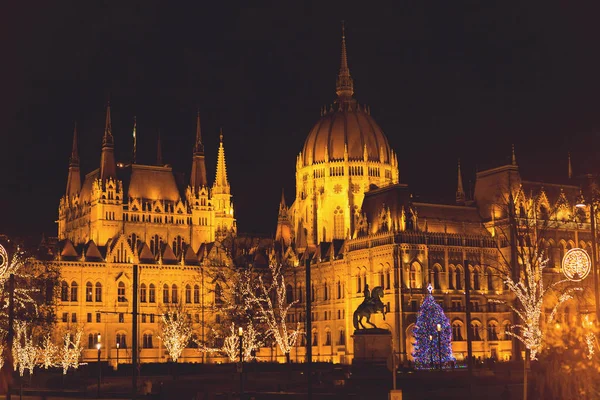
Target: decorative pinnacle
(345, 84)
(108, 140)
(198, 146)
(514, 158)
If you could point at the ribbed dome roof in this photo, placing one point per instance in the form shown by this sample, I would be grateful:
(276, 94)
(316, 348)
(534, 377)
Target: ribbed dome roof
(350, 128)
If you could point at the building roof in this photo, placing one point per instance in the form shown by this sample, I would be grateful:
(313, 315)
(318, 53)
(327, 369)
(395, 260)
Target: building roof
(153, 183)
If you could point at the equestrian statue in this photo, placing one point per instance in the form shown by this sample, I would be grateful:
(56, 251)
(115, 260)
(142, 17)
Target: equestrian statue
(370, 305)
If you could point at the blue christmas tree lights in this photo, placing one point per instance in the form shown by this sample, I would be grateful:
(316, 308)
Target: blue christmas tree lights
(432, 342)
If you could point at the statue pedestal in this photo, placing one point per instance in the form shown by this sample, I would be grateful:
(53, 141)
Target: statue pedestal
(372, 346)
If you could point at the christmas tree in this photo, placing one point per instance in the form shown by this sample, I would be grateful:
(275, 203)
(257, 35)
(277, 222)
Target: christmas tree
(432, 344)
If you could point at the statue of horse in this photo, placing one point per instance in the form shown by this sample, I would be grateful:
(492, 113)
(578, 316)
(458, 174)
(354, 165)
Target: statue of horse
(370, 305)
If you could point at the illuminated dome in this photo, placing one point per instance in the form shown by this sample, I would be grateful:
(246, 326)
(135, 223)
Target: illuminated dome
(351, 129)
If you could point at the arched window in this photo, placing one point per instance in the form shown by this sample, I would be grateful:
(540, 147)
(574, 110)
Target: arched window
(459, 280)
(121, 292)
(325, 291)
(143, 293)
(89, 292)
(121, 340)
(507, 330)
(188, 294)
(328, 338)
(74, 291)
(451, 277)
(492, 331)
(92, 340)
(358, 283)
(218, 295)
(387, 279)
(338, 224)
(174, 294)
(196, 294)
(152, 293)
(300, 293)
(147, 341)
(381, 279)
(64, 291)
(456, 332)
(289, 293)
(475, 329)
(342, 340)
(315, 338)
(339, 289)
(165, 293)
(98, 291)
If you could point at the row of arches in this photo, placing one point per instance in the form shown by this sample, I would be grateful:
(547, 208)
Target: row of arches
(120, 340)
(453, 278)
(71, 292)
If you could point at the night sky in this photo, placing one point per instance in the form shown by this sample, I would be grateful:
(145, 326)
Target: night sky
(445, 80)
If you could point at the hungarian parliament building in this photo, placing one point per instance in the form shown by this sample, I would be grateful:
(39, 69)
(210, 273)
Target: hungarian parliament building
(353, 221)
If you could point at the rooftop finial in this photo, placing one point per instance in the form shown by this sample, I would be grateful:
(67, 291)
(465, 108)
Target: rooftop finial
(570, 167)
(345, 84)
(108, 140)
(221, 134)
(134, 140)
(460, 193)
(198, 147)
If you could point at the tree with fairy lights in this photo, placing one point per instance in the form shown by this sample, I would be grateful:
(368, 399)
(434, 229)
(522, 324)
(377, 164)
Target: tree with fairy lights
(175, 332)
(432, 343)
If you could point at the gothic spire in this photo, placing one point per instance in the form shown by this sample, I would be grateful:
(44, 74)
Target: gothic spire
(198, 146)
(221, 175)
(198, 176)
(514, 158)
(108, 167)
(460, 193)
(282, 206)
(134, 140)
(74, 159)
(159, 158)
(570, 172)
(345, 84)
(74, 177)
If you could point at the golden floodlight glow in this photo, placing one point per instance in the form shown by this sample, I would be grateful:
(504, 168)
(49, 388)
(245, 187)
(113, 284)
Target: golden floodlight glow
(576, 264)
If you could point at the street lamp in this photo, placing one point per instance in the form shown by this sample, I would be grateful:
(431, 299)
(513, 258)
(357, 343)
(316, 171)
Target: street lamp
(430, 351)
(117, 356)
(99, 346)
(241, 368)
(580, 203)
(439, 331)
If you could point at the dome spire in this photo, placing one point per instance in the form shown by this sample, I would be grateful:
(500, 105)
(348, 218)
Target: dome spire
(345, 85)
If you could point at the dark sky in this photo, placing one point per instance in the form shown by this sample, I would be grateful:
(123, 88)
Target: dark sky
(445, 80)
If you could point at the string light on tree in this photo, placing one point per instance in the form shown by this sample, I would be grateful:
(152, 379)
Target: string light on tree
(71, 351)
(47, 352)
(24, 352)
(530, 293)
(176, 332)
(426, 350)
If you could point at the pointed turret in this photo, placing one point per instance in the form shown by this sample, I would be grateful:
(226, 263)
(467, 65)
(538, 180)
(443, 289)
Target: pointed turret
(159, 157)
(460, 193)
(283, 233)
(345, 84)
(221, 182)
(74, 177)
(198, 175)
(570, 168)
(108, 167)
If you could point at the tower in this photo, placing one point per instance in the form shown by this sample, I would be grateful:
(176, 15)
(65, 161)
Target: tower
(283, 233)
(460, 193)
(198, 175)
(221, 196)
(74, 177)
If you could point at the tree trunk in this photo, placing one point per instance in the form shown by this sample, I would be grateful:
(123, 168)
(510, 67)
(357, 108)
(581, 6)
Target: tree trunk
(525, 372)
(287, 358)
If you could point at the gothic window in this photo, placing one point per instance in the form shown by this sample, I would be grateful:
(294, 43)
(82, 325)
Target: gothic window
(325, 292)
(121, 292)
(151, 293)
(436, 277)
(300, 294)
(92, 340)
(143, 293)
(458, 278)
(490, 280)
(388, 279)
(178, 245)
(475, 330)
(315, 341)
(155, 244)
(328, 338)
(289, 293)
(174, 294)
(342, 340)
(507, 330)
(147, 341)
(451, 277)
(73, 291)
(492, 332)
(165, 293)
(358, 283)
(339, 289)
(196, 294)
(456, 332)
(89, 293)
(543, 213)
(188, 294)
(338, 224)
(98, 292)
(415, 272)
(218, 295)
(476, 285)
(381, 279)
(121, 340)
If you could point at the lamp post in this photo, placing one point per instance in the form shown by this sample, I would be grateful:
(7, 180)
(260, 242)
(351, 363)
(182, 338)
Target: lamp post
(117, 356)
(99, 346)
(241, 369)
(439, 331)
(430, 351)
(581, 204)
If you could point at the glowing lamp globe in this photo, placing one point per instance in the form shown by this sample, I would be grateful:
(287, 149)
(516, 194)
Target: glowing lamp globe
(576, 264)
